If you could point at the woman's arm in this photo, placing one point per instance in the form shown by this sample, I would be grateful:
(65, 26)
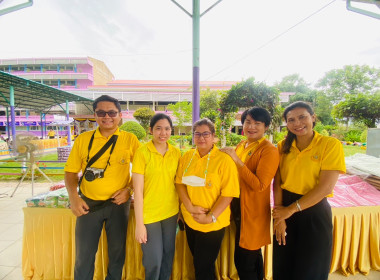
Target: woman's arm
(184, 197)
(327, 181)
(279, 226)
(220, 205)
(138, 183)
(266, 169)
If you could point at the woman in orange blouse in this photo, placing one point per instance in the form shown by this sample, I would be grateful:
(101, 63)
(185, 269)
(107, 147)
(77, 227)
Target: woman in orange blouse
(257, 161)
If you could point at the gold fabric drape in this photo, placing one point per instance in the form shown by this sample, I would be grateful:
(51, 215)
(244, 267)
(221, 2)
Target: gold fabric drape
(49, 247)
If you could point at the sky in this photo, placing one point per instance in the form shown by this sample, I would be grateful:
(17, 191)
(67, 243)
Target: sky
(152, 39)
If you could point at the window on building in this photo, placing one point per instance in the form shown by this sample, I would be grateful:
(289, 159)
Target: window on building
(17, 68)
(33, 67)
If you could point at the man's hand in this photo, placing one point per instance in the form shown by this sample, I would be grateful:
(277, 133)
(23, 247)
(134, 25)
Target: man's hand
(121, 196)
(78, 206)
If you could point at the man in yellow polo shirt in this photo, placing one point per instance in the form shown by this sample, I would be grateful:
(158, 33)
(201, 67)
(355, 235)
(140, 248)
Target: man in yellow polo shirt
(104, 198)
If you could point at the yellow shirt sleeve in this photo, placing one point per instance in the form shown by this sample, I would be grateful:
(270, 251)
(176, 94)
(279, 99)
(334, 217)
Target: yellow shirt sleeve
(229, 179)
(74, 162)
(333, 158)
(138, 165)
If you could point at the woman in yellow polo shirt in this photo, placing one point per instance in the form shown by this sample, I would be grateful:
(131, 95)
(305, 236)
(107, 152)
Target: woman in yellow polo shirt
(309, 168)
(155, 199)
(206, 181)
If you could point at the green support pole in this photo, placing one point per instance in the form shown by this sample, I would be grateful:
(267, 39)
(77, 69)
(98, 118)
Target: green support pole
(68, 126)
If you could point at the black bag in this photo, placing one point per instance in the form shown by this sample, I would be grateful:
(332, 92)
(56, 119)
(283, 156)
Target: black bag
(95, 205)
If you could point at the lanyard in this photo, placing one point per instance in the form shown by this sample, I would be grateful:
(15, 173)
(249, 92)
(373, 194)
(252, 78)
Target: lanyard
(112, 139)
(206, 170)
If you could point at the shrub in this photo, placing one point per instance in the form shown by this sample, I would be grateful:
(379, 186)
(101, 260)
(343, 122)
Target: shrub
(278, 136)
(135, 128)
(324, 132)
(319, 127)
(352, 135)
(363, 136)
(233, 139)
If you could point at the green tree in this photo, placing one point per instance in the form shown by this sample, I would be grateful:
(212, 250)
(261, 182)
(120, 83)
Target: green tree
(182, 111)
(143, 116)
(351, 79)
(247, 94)
(209, 104)
(293, 83)
(360, 108)
(135, 128)
(323, 108)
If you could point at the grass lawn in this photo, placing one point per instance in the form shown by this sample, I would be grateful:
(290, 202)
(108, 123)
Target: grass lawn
(14, 167)
(351, 150)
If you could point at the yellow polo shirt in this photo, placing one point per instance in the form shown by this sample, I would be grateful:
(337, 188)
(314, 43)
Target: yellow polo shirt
(117, 175)
(222, 180)
(160, 195)
(300, 170)
(244, 153)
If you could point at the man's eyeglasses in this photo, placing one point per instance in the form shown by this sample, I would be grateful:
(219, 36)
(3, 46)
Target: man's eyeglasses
(102, 114)
(206, 134)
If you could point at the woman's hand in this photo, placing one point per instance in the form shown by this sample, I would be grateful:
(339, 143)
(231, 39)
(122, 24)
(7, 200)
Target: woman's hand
(282, 213)
(202, 218)
(140, 234)
(195, 209)
(279, 229)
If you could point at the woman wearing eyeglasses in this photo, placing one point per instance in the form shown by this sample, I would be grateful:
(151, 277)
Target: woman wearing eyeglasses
(206, 182)
(156, 200)
(257, 162)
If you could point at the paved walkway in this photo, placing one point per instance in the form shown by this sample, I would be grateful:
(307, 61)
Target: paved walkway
(11, 228)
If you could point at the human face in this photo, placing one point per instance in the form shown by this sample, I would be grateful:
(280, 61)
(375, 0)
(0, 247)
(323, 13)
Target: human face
(161, 131)
(253, 130)
(203, 144)
(107, 123)
(300, 122)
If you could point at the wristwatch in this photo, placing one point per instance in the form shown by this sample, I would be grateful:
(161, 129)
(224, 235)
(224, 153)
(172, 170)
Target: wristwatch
(213, 217)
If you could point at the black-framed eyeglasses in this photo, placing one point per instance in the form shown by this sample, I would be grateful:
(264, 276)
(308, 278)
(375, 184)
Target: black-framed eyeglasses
(206, 134)
(102, 114)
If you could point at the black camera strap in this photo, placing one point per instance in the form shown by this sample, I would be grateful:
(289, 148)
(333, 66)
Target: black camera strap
(111, 141)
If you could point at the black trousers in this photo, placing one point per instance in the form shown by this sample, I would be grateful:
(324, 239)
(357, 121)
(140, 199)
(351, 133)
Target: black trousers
(249, 263)
(204, 247)
(308, 249)
(87, 233)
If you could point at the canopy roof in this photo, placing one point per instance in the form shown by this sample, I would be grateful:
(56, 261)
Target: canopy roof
(35, 96)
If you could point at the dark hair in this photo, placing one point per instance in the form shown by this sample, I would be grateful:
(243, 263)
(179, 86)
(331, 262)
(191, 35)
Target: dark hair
(258, 114)
(204, 121)
(291, 136)
(106, 98)
(160, 116)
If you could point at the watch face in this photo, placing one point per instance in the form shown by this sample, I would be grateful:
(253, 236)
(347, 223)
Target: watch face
(213, 218)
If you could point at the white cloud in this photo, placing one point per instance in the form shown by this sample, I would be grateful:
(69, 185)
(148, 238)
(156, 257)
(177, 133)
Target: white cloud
(152, 39)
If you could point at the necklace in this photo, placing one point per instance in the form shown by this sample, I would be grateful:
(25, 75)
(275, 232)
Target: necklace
(206, 170)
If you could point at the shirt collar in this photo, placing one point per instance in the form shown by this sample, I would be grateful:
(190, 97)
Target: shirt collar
(315, 139)
(214, 149)
(99, 135)
(253, 143)
(153, 149)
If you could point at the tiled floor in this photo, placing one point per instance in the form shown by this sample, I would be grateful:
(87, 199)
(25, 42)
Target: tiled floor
(11, 228)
